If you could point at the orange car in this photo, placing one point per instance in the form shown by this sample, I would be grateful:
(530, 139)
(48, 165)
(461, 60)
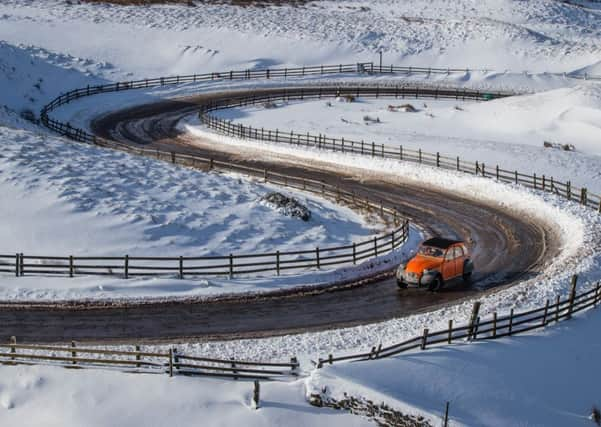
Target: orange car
(437, 261)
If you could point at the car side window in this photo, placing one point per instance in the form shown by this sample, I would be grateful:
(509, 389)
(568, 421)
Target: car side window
(450, 255)
(458, 252)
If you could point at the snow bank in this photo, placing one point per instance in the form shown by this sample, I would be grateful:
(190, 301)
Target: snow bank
(579, 229)
(52, 396)
(30, 77)
(511, 381)
(509, 132)
(489, 34)
(62, 198)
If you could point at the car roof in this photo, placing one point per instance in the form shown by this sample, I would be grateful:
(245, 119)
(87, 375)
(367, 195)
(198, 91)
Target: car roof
(439, 242)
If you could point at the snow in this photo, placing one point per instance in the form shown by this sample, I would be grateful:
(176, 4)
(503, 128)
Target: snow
(69, 197)
(545, 378)
(52, 396)
(418, 383)
(508, 132)
(63, 198)
(498, 34)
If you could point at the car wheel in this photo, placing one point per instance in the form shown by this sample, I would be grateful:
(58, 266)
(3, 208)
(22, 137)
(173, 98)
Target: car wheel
(401, 284)
(467, 275)
(436, 284)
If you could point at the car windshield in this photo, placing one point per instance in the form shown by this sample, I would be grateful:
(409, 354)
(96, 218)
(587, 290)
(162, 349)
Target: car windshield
(431, 251)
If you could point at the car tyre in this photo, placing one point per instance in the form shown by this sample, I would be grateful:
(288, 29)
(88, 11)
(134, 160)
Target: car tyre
(467, 275)
(436, 284)
(401, 284)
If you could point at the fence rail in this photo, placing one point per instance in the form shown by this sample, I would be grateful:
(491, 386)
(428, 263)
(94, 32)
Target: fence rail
(478, 329)
(345, 145)
(230, 265)
(170, 362)
(174, 362)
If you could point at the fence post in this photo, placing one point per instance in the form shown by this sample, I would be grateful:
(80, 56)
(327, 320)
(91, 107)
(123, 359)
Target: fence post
(231, 266)
(473, 317)
(181, 267)
(510, 321)
(70, 265)
(424, 338)
(73, 353)
(17, 264)
(583, 196)
(494, 324)
(126, 267)
(400, 152)
(138, 357)
(22, 265)
(13, 343)
(450, 337)
(557, 299)
(354, 253)
(446, 415)
(256, 394)
(420, 154)
(497, 172)
(457, 162)
(597, 294)
(317, 256)
(545, 313)
(569, 190)
(277, 262)
(437, 159)
(375, 246)
(170, 362)
(572, 295)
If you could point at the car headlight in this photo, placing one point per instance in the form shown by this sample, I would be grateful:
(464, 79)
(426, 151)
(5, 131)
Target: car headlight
(428, 271)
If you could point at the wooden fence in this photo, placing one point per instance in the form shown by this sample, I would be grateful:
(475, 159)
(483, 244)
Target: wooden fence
(345, 145)
(231, 265)
(170, 362)
(479, 329)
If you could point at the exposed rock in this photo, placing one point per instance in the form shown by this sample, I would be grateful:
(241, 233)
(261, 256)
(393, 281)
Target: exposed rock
(405, 108)
(288, 206)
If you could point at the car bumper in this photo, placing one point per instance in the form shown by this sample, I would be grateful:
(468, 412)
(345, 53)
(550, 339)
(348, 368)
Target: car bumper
(414, 281)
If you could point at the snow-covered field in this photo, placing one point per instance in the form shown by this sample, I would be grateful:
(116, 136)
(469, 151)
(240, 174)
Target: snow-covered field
(62, 198)
(543, 379)
(523, 380)
(57, 196)
(50, 396)
(508, 132)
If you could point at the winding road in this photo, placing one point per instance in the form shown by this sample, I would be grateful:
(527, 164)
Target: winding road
(506, 248)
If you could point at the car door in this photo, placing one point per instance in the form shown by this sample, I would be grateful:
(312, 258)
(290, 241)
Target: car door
(448, 265)
(459, 260)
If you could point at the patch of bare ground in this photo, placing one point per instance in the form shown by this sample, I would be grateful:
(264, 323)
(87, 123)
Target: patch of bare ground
(379, 413)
